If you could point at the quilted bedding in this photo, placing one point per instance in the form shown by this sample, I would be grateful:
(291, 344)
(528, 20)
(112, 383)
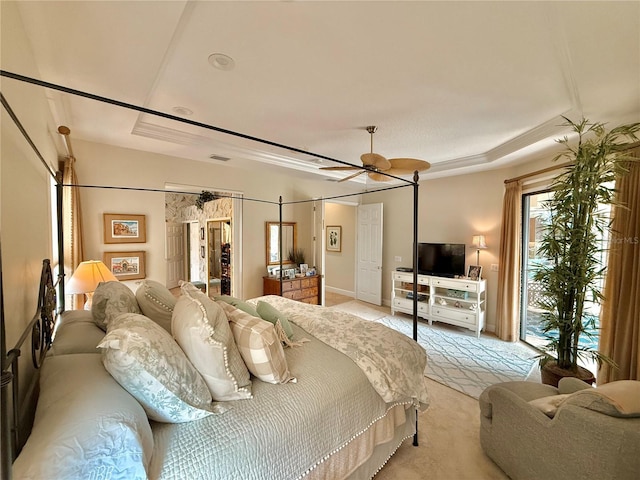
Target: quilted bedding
(393, 363)
(284, 431)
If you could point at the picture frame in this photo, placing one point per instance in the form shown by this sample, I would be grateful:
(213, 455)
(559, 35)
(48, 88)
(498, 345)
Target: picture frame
(124, 228)
(334, 238)
(475, 272)
(126, 265)
(303, 268)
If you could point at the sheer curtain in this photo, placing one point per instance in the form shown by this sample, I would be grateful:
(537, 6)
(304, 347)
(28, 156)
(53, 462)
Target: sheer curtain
(72, 225)
(508, 305)
(620, 315)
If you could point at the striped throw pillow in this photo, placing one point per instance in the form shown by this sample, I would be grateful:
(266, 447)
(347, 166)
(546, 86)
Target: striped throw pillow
(259, 346)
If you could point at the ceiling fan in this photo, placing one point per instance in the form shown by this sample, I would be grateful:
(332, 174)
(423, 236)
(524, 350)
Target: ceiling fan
(376, 166)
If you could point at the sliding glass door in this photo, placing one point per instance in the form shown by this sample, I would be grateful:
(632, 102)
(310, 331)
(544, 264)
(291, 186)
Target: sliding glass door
(535, 216)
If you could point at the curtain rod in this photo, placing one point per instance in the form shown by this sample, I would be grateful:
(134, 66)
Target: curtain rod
(64, 131)
(538, 172)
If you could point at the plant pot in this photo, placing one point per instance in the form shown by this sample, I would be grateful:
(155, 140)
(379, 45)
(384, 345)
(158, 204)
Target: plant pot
(551, 374)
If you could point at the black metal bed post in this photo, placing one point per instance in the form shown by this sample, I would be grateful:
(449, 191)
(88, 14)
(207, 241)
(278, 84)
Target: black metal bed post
(5, 441)
(280, 239)
(415, 275)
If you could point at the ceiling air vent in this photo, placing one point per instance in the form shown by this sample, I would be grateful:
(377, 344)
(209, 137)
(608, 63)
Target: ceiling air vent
(219, 158)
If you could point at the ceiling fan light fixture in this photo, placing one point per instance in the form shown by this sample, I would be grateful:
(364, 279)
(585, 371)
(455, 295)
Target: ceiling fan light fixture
(222, 61)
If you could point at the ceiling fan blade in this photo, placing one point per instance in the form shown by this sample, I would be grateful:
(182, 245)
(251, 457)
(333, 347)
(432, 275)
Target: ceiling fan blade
(340, 168)
(404, 166)
(352, 176)
(375, 160)
(378, 177)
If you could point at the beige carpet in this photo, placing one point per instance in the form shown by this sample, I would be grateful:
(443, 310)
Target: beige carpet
(448, 431)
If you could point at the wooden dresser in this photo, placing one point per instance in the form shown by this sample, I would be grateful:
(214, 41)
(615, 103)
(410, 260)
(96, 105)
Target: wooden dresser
(304, 289)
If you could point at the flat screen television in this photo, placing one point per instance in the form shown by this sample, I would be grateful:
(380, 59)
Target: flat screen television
(441, 259)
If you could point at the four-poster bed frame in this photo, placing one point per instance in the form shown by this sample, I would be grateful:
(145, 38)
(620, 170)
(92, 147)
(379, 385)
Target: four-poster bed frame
(41, 327)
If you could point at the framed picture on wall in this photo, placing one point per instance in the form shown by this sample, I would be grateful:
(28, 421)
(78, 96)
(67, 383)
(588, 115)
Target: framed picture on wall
(334, 238)
(126, 265)
(124, 228)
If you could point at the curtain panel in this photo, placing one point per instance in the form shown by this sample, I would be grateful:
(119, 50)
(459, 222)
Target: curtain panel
(620, 313)
(508, 306)
(72, 225)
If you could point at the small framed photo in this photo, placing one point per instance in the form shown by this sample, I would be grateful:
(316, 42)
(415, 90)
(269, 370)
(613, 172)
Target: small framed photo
(475, 272)
(303, 268)
(124, 228)
(334, 238)
(126, 265)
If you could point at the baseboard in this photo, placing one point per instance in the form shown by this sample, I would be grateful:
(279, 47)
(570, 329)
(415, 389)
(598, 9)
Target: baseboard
(340, 291)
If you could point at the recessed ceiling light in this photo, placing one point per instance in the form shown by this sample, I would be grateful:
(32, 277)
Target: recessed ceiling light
(222, 61)
(182, 111)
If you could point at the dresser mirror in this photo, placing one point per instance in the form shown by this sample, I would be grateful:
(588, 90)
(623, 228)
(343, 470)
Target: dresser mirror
(289, 241)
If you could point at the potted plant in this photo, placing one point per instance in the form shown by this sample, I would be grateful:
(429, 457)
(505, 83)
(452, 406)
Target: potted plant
(573, 270)
(296, 256)
(205, 197)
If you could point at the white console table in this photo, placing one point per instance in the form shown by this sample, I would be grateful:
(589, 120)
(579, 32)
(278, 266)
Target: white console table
(456, 301)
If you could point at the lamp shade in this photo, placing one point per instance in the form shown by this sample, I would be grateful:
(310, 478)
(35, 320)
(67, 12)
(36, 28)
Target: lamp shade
(87, 277)
(479, 241)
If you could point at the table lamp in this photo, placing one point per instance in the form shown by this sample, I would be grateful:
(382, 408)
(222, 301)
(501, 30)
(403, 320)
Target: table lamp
(478, 241)
(86, 279)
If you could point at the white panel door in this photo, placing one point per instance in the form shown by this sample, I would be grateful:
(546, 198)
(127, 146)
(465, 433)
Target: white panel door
(174, 253)
(369, 278)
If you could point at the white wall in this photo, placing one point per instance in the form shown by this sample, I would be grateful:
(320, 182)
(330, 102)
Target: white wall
(450, 209)
(340, 266)
(25, 201)
(99, 164)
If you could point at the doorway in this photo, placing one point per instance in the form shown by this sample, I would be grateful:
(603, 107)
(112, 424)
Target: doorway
(219, 257)
(535, 217)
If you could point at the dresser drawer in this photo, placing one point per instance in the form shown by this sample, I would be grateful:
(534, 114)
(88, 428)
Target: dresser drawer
(290, 285)
(455, 285)
(462, 316)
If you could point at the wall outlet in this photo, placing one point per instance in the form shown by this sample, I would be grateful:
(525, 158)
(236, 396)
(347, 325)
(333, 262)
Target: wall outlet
(494, 267)
(397, 258)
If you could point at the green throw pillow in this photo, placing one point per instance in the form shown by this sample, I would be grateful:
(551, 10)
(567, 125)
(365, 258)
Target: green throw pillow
(239, 304)
(270, 314)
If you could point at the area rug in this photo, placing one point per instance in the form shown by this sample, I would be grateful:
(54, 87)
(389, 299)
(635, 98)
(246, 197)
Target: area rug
(460, 360)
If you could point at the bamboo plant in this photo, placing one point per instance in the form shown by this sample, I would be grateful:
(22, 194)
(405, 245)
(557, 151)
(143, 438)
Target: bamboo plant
(574, 271)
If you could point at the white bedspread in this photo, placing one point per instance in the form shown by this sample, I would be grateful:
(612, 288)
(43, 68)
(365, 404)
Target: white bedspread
(393, 362)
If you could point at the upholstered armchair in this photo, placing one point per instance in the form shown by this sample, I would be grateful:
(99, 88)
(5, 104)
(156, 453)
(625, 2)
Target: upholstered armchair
(535, 431)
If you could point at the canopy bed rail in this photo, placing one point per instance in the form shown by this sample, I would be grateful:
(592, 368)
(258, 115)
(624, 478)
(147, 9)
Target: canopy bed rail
(40, 330)
(42, 326)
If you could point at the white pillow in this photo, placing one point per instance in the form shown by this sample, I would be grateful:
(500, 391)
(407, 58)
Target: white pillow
(86, 425)
(549, 405)
(201, 328)
(156, 302)
(259, 346)
(150, 365)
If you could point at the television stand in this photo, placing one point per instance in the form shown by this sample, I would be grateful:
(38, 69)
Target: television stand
(455, 301)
